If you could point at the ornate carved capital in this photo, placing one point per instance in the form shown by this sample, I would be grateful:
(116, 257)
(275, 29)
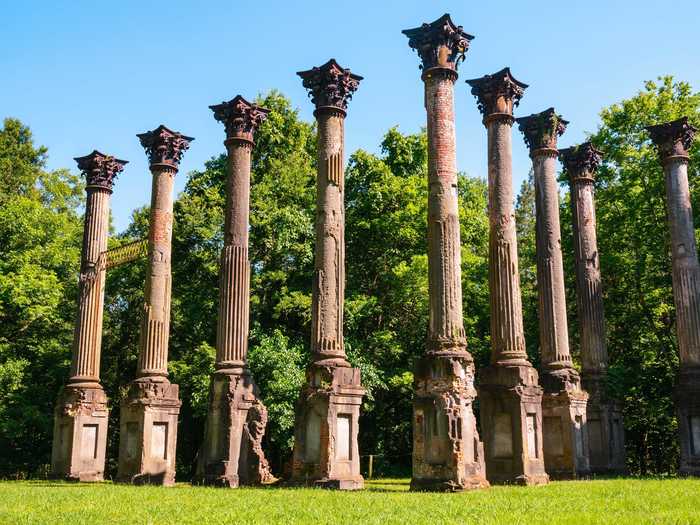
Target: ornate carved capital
(440, 44)
(99, 169)
(164, 146)
(241, 118)
(581, 162)
(672, 139)
(497, 93)
(541, 131)
(329, 85)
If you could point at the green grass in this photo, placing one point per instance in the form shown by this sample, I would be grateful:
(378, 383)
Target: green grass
(618, 501)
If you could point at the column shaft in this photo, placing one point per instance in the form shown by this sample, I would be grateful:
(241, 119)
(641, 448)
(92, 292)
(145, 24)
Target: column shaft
(591, 315)
(507, 335)
(155, 325)
(686, 269)
(554, 333)
(446, 326)
(234, 275)
(329, 276)
(87, 340)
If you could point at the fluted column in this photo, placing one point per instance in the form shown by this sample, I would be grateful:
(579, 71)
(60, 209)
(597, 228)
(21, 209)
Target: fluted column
(149, 412)
(497, 95)
(81, 412)
(447, 451)
(231, 452)
(564, 403)
(673, 140)
(603, 417)
(326, 452)
(164, 149)
(99, 170)
(240, 118)
(581, 163)
(510, 396)
(541, 131)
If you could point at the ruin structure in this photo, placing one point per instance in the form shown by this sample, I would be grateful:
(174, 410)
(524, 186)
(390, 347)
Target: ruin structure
(605, 434)
(564, 401)
(510, 395)
(447, 451)
(81, 412)
(149, 413)
(327, 414)
(673, 140)
(231, 453)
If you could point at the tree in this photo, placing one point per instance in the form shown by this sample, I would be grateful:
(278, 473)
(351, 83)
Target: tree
(40, 234)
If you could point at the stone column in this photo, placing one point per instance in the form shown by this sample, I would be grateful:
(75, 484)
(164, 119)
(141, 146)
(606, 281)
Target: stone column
(327, 414)
(606, 444)
(447, 452)
(564, 402)
(231, 452)
(673, 140)
(81, 413)
(149, 413)
(511, 398)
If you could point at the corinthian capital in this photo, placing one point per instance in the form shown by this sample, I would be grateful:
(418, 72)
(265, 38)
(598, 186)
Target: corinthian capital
(99, 169)
(581, 162)
(497, 93)
(241, 118)
(164, 146)
(330, 85)
(440, 44)
(541, 130)
(672, 139)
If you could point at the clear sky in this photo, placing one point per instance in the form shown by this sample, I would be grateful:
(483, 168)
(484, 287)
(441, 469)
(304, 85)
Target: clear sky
(89, 75)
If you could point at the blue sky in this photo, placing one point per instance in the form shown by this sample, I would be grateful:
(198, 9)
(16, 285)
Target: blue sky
(91, 74)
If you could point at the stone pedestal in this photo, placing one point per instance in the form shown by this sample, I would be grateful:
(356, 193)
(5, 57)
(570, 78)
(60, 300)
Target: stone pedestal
(447, 450)
(604, 429)
(80, 434)
(81, 413)
(673, 140)
(149, 413)
(564, 402)
(231, 453)
(564, 422)
(327, 414)
(148, 433)
(325, 434)
(687, 397)
(447, 453)
(511, 422)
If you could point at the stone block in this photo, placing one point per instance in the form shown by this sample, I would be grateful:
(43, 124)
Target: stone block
(80, 434)
(148, 439)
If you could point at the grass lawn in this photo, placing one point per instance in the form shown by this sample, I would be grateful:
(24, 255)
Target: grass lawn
(615, 501)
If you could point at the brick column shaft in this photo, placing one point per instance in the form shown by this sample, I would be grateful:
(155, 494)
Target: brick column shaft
(85, 365)
(234, 273)
(155, 323)
(329, 276)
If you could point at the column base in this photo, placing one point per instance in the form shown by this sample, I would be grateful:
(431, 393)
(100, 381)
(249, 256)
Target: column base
(511, 420)
(231, 453)
(687, 396)
(80, 434)
(148, 433)
(448, 455)
(565, 443)
(326, 453)
(606, 433)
